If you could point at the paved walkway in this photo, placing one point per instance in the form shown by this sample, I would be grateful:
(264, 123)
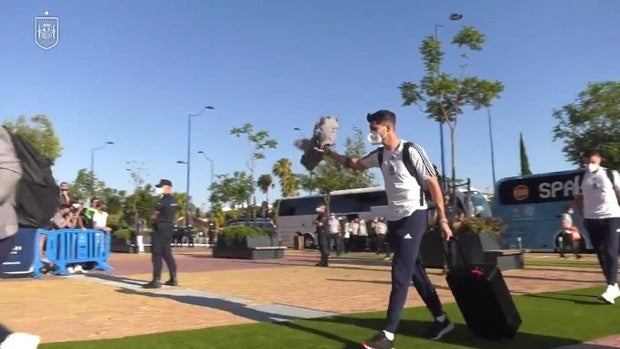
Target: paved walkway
(219, 292)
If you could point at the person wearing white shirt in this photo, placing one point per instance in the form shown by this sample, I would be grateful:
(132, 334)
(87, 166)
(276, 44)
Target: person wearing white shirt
(363, 235)
(100, 218)
(346, 245)
(597, 202)
(334, 237)
(407, 220)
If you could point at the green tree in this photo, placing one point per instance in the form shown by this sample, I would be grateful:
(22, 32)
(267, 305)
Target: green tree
(218, 214)
(264, 183)
(525, 163)
(86, 186)
(181, 199)
(329, 176)
(113, 199)
(289, 182)
(137, 172)
(141, 203)
(591, 122)
(232, 190)
(443, 95)
(260, 141)
(355, 146)
(39, 131)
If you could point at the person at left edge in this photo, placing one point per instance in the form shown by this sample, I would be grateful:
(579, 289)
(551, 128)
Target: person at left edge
(163, 218)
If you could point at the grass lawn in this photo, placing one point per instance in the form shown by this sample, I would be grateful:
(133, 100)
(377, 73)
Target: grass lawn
(549, 320)
(558, 262)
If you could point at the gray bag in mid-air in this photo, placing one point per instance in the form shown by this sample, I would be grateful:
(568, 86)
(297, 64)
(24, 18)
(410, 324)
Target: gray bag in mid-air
(324, 135)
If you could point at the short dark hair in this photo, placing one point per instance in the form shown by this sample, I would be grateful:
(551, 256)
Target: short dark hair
(592, 153)
(382, 116)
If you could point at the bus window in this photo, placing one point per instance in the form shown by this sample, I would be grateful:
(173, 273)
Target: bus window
(371, 199)
(357, 202)
(344, 203)
(298, 206)
(286, 208)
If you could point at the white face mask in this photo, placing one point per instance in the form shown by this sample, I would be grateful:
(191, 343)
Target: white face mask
(593, 167)
(159, 191)
(375, 138)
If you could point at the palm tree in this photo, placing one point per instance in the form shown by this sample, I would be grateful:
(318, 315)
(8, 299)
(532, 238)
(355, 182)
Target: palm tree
(289, 182)
(264, 182)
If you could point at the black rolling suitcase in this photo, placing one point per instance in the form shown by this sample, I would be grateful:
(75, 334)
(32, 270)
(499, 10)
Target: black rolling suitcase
(483, 297)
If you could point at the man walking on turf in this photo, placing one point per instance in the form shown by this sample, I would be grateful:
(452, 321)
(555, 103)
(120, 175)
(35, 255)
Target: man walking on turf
(406, 172)
(597, 202)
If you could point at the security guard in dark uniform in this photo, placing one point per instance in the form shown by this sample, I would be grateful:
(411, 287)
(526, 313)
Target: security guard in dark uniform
(163, 218)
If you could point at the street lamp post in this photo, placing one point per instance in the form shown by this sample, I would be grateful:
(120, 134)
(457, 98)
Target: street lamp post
(92, 166)
(188, 161)
(491, 141)
(453, 17)
(92, 156)
(210, 163)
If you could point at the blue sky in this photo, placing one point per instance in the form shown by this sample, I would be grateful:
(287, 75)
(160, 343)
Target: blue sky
(131, 71)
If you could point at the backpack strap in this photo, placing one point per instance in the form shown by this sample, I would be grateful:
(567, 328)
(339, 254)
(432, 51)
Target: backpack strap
(609, 172)
(412, 171)
(610, 175)
(408, 162)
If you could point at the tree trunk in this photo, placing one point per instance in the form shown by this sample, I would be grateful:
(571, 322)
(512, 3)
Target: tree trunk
(452, 155)
(326, 199)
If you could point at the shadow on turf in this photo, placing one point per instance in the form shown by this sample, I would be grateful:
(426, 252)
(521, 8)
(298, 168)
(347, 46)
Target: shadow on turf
(235, 308)
(525, 277)
(569, 297)
(379, 282)
(328, 327)
(416, 328)
(123, 279)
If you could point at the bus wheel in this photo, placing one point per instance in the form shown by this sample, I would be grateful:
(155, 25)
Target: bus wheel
(309, 241)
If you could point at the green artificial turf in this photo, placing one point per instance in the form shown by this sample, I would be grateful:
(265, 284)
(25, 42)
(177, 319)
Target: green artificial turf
(562, 263)
(549, 320)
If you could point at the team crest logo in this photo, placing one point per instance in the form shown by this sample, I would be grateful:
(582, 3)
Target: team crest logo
(46, 31)
(521, 192)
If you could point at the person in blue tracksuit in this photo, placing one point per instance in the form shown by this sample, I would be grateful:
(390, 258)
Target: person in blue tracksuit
(407, 221)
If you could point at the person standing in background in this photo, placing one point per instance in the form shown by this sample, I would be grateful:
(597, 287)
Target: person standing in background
(597, 203)
(140, 235)
(163, 218)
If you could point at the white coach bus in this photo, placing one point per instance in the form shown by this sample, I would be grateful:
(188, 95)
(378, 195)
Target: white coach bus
(295, 215)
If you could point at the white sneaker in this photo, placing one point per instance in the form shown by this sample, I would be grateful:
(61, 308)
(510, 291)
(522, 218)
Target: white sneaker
(614, 290)
(611, 293)
(71, 270)
(20, 340)
(78, 268)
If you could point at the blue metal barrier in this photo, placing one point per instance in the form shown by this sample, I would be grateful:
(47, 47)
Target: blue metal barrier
(20, 260)
(73, 246)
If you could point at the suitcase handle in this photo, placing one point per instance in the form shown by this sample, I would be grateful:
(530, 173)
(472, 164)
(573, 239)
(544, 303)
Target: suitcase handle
(448, 252)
